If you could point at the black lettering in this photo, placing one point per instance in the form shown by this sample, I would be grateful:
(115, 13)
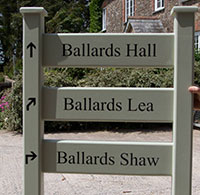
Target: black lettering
(109, 50)
(142, 161)
(118, 106)
(124, 157)
(150, 107)
(142, 52)
(153, 161)
(117, 52)
(102, 105)
(88, 49)
(71, 159)
(149, 50)
(134, 49)
(111, 105)
(111, 160)
(83, 158)
(89, 160)
(95, 159)
(83, 49)
(101, 51)
(142, 106)
(67, 50)
(77, 51)
(94, 51)
(134, 160)
(62, 157)
(96, 106)
(69, 104)
(104, 159)
(85, 104)
(78, 105)
(90, 104)
(130, 105)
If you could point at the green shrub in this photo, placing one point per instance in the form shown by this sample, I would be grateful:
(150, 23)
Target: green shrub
(11, 118)
(197, 55)
(111, 77)
(12, 115)
(1, 77)
(95, 15)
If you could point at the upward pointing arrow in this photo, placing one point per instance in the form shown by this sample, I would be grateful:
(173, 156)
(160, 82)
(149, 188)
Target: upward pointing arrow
(31, 46)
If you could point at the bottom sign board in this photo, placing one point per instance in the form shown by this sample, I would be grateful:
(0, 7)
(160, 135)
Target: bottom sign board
(99, 157)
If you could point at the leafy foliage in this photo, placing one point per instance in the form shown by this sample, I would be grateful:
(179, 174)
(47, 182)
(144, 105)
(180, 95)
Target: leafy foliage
(110, 77)
(63, 16)
(152, 77)
(95, 15)
(12, 115)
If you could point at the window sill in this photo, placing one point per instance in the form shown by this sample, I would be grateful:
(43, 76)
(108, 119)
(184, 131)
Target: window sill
(159, 10)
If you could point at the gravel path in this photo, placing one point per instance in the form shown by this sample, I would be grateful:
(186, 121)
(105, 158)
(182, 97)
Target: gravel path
(11, 169)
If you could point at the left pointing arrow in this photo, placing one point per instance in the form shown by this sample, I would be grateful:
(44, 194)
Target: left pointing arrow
(32, 156)
(31, 46)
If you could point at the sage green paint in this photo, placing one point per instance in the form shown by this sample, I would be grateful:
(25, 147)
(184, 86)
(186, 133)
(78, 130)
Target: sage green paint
(33, 27)
(41, 49)
(156, 104)
(183, 78)
(53, 50)
(162, 152)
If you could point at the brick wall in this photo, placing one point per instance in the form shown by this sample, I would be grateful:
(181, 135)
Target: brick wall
(197, 15)
(114, 16)
(164, 15)
(144, 8)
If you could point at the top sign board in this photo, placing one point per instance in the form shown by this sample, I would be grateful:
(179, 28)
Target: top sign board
(118, 50)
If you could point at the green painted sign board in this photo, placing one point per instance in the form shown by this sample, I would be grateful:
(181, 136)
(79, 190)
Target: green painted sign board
(107, 104)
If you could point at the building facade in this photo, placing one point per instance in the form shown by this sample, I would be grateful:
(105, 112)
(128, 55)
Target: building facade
(144, 16)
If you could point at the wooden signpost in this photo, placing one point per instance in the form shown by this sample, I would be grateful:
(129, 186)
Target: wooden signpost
(107, 104)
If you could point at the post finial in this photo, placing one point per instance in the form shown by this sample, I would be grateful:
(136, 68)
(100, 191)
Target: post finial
(33, 10)
(184, 9)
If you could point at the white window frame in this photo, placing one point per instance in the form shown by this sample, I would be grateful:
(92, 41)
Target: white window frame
(197, 40)
(104, 19)
(129, 9)
(159, 5)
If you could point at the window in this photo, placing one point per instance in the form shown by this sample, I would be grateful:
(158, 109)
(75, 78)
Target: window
(197, 40)
(104, 19)
(130, 8)
(159, 5)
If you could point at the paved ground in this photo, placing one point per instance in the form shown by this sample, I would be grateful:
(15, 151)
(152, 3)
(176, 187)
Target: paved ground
(11, 169)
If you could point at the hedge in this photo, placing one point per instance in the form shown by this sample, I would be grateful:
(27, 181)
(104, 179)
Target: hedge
(11, 117)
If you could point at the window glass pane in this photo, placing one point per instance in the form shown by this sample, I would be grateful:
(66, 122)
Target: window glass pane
(129, 8)
(163, 3)
(104, 20)
(158, 4)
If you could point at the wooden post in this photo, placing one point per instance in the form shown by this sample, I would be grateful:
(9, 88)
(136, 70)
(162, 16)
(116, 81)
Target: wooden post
(33, 126)
(183, 78)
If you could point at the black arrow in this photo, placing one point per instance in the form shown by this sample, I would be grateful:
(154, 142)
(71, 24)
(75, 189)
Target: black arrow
(32, 156)
(31, 101)
(31, 46)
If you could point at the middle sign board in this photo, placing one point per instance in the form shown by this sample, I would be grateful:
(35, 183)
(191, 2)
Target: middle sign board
(108, 104)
